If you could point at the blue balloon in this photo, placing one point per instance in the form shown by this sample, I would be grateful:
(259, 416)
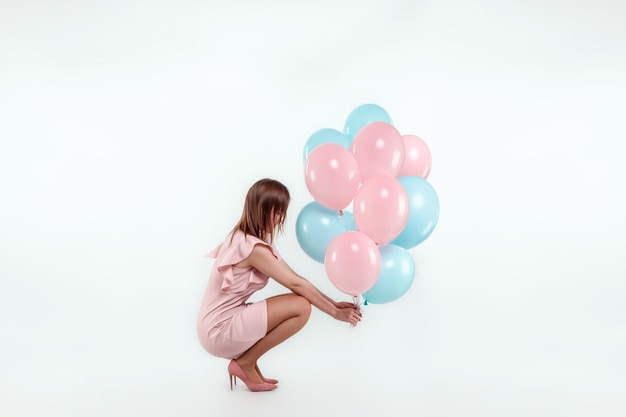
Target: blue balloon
(325, 135)
(396, 275)
(363, 115)
(423, 212)
(317, 226)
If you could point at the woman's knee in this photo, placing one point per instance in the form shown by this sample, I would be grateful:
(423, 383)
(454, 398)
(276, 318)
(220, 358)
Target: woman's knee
(302, 306)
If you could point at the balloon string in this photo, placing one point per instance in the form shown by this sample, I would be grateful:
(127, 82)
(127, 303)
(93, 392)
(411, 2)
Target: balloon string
(357, 302)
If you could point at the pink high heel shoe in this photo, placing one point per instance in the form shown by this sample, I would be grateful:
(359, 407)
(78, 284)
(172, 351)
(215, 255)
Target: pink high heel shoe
(235, 371)
(268, 380)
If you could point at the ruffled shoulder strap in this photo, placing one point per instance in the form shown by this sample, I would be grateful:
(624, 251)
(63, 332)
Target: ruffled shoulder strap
(230, 253)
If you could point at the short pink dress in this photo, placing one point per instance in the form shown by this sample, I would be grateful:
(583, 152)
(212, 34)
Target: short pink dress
(227, 324)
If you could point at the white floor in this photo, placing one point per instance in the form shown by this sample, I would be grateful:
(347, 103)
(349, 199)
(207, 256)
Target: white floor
(396, 362)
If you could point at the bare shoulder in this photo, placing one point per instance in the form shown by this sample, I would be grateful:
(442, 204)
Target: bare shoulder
(263, 259)
(260, 254)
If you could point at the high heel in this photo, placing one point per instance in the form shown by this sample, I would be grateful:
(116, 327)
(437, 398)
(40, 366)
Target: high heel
(235, 371)
(269, 380)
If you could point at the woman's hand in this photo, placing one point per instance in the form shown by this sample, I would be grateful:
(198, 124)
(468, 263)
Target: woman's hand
(348, 312)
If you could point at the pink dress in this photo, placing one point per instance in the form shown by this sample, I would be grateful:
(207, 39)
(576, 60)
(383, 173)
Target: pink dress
(227, 324)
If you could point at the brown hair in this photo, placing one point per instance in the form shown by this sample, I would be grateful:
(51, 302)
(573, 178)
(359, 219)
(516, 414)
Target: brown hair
(265, 199)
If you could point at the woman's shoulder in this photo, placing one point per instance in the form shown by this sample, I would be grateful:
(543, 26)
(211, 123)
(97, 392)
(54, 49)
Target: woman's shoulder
(239, 245)
(246, 242)
(250, 242)
(238, 237)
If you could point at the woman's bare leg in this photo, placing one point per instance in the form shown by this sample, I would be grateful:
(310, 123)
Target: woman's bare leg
(286, 315)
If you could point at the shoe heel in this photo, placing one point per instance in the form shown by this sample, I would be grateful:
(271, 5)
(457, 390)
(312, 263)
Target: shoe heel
(235, 371)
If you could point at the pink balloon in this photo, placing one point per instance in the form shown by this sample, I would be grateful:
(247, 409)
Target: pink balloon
(378, 149)
(381, 208)
(417, 157)
(332, 175)
(353, 262)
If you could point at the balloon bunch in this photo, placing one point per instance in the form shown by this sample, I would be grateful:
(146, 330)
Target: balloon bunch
(383, 175)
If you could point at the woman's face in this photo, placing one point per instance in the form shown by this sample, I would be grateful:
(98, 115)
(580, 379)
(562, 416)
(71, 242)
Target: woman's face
(276, 219)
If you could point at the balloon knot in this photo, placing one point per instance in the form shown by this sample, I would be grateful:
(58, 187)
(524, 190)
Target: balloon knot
(365, 303)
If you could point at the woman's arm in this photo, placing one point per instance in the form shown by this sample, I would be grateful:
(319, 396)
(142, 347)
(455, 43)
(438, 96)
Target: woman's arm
(333, 302)
(264, 260)
(338, 304)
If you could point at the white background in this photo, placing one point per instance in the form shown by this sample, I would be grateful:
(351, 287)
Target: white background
(131, 130)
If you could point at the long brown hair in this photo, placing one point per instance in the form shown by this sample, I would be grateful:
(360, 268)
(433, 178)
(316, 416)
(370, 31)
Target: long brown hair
(266, 199)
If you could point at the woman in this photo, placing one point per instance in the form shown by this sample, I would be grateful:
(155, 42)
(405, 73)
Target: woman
(228, 326)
